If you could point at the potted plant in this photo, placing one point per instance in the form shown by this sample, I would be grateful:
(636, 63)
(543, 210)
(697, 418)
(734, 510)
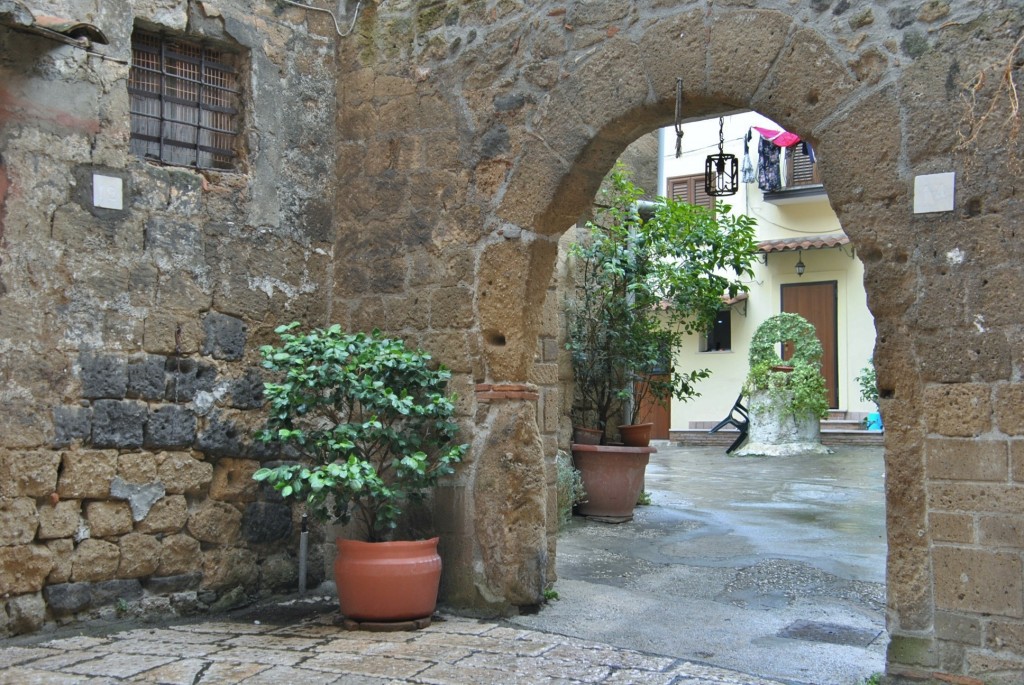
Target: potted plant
(786, 398)
(868, 381)
(373, 430)
(645, 277)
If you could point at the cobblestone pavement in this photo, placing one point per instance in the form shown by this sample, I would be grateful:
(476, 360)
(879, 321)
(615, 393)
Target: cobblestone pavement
(314, 651)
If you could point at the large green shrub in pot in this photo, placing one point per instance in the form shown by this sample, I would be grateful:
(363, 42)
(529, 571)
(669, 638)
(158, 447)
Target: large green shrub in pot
(369, 418)
(640, 286)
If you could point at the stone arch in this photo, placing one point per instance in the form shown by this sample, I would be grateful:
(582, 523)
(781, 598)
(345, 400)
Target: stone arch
(544, 99)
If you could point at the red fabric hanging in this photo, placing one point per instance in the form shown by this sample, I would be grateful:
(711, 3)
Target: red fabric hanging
(780, 138)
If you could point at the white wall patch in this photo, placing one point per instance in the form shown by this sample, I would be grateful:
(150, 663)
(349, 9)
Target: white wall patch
(107, 192)
(934, 192)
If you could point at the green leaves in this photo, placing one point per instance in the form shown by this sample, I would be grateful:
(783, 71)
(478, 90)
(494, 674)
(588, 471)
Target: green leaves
(642, 286)
(803, 388)
(369, 417)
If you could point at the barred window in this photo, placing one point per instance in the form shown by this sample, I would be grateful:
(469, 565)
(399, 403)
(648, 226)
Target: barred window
(185, 102)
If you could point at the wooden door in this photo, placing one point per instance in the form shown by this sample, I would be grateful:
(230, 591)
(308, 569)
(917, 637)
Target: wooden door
(657, 413)
(817, 302)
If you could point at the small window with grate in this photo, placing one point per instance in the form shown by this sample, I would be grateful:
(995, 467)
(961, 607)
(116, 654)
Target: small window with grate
(185, 102)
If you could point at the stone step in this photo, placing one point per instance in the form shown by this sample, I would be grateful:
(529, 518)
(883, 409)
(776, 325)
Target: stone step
(696, 437)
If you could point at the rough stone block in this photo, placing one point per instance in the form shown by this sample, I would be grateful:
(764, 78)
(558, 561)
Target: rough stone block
(95, 560)
(166, 585)
(183, 474)
(18, 521)
(961, 410)
(221, 438)
(140, 555)
(147, 378)
(1005, 635)
(917, 651)
(951, 459)
(28, 474)
(87, 474)
(187, 378)
(137, 467)
(103, 376)
(279, 573)
(179, 554)
(247, 392)
(225, 336)
(947, 527)
(170, 426)
(71, 423)
(24, 568)
(107, 519)
(62, 551)
(978, 581)
(959, 628)
(1001, 531)
(170, 332)
(228, 567)
(1010, 408)
(963, 358)
(266, 522)
(110, 591)
(118, 424)
(25, 613)
(168, 515)
(1017, 461)
(215, 522)
(68, 599)
(232, 480)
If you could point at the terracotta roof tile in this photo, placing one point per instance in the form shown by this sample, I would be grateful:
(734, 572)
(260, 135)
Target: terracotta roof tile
(803, 243)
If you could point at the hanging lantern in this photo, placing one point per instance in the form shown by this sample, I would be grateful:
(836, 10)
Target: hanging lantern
(721, 171)
(800, 268)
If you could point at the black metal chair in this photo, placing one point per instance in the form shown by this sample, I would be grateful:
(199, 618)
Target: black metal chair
(737, 417)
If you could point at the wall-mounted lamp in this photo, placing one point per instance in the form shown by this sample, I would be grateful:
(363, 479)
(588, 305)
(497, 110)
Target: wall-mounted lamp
(800, 268)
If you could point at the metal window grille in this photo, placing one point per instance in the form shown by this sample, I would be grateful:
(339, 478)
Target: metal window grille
(185, 102)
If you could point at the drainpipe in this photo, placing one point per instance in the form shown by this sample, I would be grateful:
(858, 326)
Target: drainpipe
(303, 554)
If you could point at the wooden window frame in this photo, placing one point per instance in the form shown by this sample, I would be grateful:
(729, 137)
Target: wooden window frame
(689, 189)
(186, 104)
(800, 170)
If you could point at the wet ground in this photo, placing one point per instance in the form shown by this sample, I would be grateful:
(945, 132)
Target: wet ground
(742, 571)
(773, 566)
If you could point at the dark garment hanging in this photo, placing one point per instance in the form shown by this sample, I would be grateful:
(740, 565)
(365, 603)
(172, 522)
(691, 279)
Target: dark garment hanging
(768, 177)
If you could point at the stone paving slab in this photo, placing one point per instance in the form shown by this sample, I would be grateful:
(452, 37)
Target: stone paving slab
(313, 651)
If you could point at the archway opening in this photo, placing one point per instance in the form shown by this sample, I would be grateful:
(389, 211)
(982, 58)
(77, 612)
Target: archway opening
(783, 560)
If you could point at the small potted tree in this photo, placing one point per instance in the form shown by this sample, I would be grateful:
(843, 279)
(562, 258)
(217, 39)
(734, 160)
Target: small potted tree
(868, 381)
(373, 430)
(786, 398)
(645, 276)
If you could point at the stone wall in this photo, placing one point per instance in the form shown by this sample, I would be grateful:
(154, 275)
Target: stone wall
(488, 126)
(129, 337)
(416, 176)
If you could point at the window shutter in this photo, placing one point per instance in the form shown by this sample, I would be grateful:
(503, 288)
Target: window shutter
(800, 170)
(690, 189)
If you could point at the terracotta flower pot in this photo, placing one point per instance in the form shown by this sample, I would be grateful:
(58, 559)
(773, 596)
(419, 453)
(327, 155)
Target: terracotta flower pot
(613, 477)
(636, 435)
(586, 436)
(387, 581)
